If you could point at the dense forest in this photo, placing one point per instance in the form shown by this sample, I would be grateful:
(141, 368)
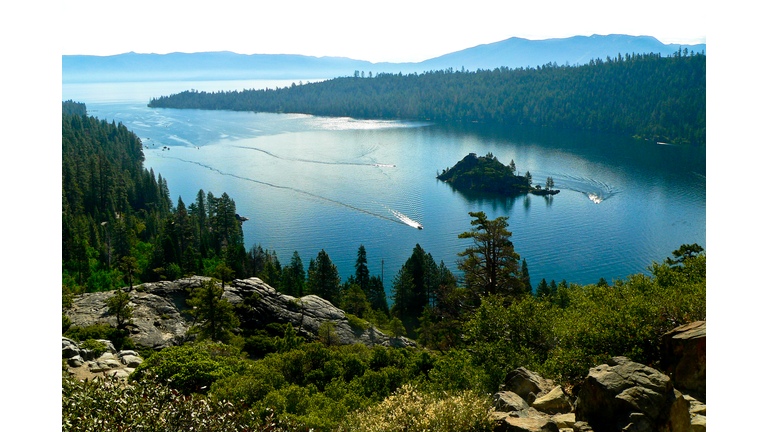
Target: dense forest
(646, 96)
(120, 227)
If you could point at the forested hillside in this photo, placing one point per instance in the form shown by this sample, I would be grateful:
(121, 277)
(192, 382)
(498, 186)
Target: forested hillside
(648, 96)
(120, 226)
(118, 221)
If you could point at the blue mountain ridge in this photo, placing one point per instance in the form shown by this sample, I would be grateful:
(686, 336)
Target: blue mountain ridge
(223, 65)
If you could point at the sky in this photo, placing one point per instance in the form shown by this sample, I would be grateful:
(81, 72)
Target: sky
(391, 31)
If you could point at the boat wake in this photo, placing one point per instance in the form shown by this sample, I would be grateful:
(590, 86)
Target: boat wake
(595, 190)
(303, 192)
(406, 220)
(290, 159)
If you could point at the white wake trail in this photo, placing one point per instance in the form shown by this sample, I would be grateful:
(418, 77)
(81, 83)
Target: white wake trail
(406, 220)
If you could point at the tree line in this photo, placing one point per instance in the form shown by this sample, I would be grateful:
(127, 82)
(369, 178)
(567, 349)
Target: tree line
(642, 95)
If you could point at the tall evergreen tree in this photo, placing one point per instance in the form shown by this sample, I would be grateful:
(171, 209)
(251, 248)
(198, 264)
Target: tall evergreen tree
(525, 277)
(294, 277)
(323, 278)
(362, 276)
(413, 287)
(214, 316)
(377, 297)
(543, 290)
(490, 265)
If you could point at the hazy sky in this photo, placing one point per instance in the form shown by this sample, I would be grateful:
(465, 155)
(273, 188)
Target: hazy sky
(394, 31)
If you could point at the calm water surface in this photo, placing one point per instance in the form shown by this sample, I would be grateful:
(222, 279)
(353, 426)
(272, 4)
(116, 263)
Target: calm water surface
(309, 183)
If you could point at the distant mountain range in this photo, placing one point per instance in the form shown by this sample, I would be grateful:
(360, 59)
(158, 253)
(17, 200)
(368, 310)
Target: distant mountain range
(513, 53)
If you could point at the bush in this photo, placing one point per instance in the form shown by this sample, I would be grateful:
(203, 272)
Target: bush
(66, 323)
(455, 371)
(97, 347)
(357, 323)
(505, 334)
(627, 319)
(251, 385)
(107, 404)
(96, 331)
(414, 411)
(191, 368)
(119, 338)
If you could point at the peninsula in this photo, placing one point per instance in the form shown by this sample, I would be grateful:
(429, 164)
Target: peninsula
(487, 174)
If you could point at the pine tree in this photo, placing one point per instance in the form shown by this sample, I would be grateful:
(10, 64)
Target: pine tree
(525, 277)
(118, 305)
(542, 290)
(490, 265)
(362, 276)
(214, 316)
(414, 287)
(323, 278)
(293, 277)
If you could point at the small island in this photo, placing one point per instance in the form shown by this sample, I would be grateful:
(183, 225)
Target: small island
(487, 174)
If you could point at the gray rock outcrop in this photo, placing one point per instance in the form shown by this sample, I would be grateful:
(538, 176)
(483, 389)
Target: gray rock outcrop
(623, 395)
(161, 318)
(306, 314)
(618, 396)
(554, 402)
(507, 401)
(527, 384)
(684, 357)
(83, 363)
(527, 424)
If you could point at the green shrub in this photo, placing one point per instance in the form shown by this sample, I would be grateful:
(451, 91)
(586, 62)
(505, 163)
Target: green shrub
(414, 411)
(455, 371)
(119, 338)
(66, 323)
(505, 334)
(96, 331)
(108, 405)
(191, 368)
(249, 386)
(627, 319)
(97, 347)
(357, 323)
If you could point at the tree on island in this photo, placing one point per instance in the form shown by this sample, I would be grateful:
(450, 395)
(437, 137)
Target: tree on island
(490, 266)
(550, 184)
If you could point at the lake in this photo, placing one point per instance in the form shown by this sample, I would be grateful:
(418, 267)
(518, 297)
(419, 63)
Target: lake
(309, 183)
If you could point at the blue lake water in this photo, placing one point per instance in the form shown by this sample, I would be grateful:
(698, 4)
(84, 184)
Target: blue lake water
(310, 183)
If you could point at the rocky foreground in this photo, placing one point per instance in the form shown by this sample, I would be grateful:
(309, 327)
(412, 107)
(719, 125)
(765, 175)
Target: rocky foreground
(160, 317)
(620, 395)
